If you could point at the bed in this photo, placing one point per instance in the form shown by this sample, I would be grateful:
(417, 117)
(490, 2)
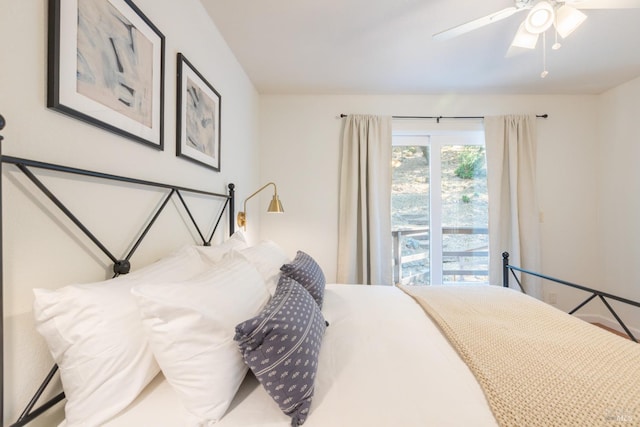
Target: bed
(239, 334)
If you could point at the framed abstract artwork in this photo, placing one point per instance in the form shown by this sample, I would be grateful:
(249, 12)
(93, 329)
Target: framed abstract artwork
(106, 67)
(198, 117)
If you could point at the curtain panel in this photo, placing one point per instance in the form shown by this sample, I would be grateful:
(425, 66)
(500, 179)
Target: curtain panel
(364, 223)
(513, 205)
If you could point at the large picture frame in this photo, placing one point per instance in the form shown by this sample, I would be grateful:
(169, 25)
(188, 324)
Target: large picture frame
(199, 115)
(106, 67)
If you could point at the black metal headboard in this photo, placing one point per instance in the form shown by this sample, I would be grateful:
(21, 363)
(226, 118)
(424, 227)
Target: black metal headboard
(121, 265)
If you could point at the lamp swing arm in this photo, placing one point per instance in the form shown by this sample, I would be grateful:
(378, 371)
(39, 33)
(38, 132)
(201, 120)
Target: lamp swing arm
(275, 191)
(277, 207)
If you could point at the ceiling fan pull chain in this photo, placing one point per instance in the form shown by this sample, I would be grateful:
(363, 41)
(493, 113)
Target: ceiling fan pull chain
(557, 44)
(544, 56)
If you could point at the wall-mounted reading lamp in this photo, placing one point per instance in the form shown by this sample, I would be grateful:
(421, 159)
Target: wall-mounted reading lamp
(275, 206)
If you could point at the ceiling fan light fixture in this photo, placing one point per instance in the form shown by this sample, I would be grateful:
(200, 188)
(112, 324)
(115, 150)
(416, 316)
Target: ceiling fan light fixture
(568, 19)
(540, 17)
(524, 38)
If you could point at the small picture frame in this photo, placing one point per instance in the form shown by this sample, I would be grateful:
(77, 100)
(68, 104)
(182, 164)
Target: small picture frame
(106, 67)
(198, 117)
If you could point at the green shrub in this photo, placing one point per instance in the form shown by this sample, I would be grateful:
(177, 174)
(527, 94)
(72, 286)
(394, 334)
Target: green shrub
(471, 163)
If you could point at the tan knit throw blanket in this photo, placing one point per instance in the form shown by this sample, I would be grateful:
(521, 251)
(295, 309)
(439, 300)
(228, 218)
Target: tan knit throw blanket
(537, 365)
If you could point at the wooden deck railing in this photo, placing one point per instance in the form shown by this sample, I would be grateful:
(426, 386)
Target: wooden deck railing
(421, 252)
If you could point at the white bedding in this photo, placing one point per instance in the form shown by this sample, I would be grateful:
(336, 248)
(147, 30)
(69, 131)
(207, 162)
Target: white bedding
(382, 363)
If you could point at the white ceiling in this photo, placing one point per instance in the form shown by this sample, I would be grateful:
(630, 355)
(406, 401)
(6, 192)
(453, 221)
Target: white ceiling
(386, 47)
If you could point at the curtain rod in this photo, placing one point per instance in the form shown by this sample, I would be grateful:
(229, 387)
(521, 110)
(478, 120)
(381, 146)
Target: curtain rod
(540, 116)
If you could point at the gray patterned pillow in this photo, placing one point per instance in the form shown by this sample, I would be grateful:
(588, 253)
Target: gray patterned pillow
(306, 271)
(281, 345)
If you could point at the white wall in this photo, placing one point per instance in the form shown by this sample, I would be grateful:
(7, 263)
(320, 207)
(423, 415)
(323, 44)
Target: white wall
(587, 181)
(300, 139)
(619, 195)
(33, 229)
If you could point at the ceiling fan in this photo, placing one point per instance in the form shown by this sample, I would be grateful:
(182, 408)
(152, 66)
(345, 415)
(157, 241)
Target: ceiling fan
(563, 15)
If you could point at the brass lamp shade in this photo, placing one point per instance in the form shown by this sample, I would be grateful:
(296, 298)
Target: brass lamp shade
(275, 206)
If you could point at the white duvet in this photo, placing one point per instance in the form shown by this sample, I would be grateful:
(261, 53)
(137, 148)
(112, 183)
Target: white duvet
(382, 363)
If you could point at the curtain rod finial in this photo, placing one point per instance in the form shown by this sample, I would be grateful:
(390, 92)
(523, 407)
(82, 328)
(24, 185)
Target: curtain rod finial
(2, 123)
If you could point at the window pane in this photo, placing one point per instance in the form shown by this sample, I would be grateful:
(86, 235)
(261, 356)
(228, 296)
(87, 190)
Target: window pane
(465, 237)
(410, 213)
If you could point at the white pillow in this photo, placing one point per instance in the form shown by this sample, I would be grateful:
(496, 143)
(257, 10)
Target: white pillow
(237, 241)
(267, 257)
(191, 326)
(95, 335)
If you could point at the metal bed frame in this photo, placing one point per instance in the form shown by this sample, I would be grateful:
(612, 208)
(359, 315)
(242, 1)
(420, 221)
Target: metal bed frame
(507, 268)
(120, 265)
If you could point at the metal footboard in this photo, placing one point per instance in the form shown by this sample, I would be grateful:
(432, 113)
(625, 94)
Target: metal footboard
(508, 270)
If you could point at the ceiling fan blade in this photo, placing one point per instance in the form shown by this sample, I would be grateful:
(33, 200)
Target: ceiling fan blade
(475, 24)
(604, 4)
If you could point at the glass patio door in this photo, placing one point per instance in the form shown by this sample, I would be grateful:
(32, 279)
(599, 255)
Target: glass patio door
(440, 209)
